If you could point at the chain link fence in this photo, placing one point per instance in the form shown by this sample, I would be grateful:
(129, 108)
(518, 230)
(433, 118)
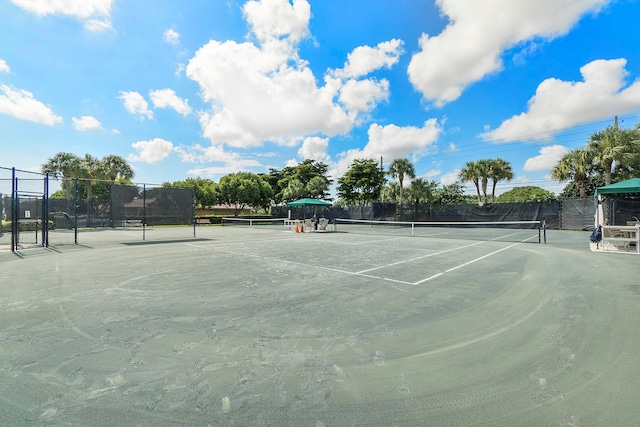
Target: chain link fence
(32, 215)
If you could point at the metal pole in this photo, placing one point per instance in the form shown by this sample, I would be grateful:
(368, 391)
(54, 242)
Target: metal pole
(75, 214)
(193, 209)
(144, 210)
(45, 212)
(14, 209)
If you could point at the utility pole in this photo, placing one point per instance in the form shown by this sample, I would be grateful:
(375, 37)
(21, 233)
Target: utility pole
(615, 122)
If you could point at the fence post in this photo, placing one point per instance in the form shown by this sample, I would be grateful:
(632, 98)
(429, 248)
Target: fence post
(75, 213)
(14, 210)
(144, 210)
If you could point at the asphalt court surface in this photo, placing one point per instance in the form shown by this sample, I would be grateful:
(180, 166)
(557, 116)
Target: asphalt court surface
(265, 327)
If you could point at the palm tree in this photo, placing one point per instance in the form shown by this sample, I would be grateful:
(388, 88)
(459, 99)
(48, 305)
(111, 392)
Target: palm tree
(471, 173)
(421, 190)
(390, 192)
(317, 186)
(294, 190)
(483, 168)
(613, 145)
(400, 168)
(117, 167)
(576, 165)
(499, 169)
(65, 164)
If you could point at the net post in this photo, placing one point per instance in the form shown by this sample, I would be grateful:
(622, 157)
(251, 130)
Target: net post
(413, 225)
(544, 230)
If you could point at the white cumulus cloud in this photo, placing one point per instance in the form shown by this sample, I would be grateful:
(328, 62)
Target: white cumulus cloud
(450, 177)
(4, 67)
(22, 105)
(470, 47)
(549, 156)
(560, 104)
(391, 142)
(263, 91)
(274, 19)
(136, 104)
(86, 123)
(365, 59)
(315, 148)
(151, 151)
(167, 98)
(96, 14)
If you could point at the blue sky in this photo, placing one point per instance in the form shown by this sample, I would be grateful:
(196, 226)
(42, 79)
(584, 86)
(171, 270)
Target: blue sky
(209, 87)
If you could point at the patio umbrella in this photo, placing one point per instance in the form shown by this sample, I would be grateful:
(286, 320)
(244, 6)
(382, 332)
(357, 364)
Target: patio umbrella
(308, 202)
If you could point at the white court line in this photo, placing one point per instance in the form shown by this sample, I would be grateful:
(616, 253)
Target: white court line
(421, 257)
(464, 264)
(351, 273)
(361, 273)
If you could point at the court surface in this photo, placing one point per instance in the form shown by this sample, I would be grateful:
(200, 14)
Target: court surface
(244, 327)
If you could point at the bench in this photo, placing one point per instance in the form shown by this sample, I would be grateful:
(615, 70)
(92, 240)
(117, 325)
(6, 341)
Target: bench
(132, 223)
(201, 221)
(627, 236)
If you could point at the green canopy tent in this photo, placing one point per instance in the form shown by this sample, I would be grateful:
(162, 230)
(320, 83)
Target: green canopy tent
(308, 202)
(630, 186)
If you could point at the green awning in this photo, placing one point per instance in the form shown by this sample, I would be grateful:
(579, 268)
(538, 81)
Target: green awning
(629, 186)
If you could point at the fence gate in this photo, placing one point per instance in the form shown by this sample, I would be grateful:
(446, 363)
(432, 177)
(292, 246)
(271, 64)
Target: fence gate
(23, 205)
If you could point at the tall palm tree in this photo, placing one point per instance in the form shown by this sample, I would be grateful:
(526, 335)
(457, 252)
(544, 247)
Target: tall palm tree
(499, 169)
(117, 167)
(613, 145)
(65, 164)
(483, 168)
(91, 169)
(400, 168)
(576, 165)
(471, 173)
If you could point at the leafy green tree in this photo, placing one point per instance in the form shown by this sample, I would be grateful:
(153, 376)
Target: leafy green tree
(526, 194)
(205, 190)
(449, 194)
(576, 165)
(398, 169)
(304, 172)
(242, 189)
(362, 183)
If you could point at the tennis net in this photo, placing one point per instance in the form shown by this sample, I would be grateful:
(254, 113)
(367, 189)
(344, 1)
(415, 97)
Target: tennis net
(508, 231)
(274, 223)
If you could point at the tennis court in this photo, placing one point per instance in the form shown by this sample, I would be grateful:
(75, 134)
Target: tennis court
(261, 326)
